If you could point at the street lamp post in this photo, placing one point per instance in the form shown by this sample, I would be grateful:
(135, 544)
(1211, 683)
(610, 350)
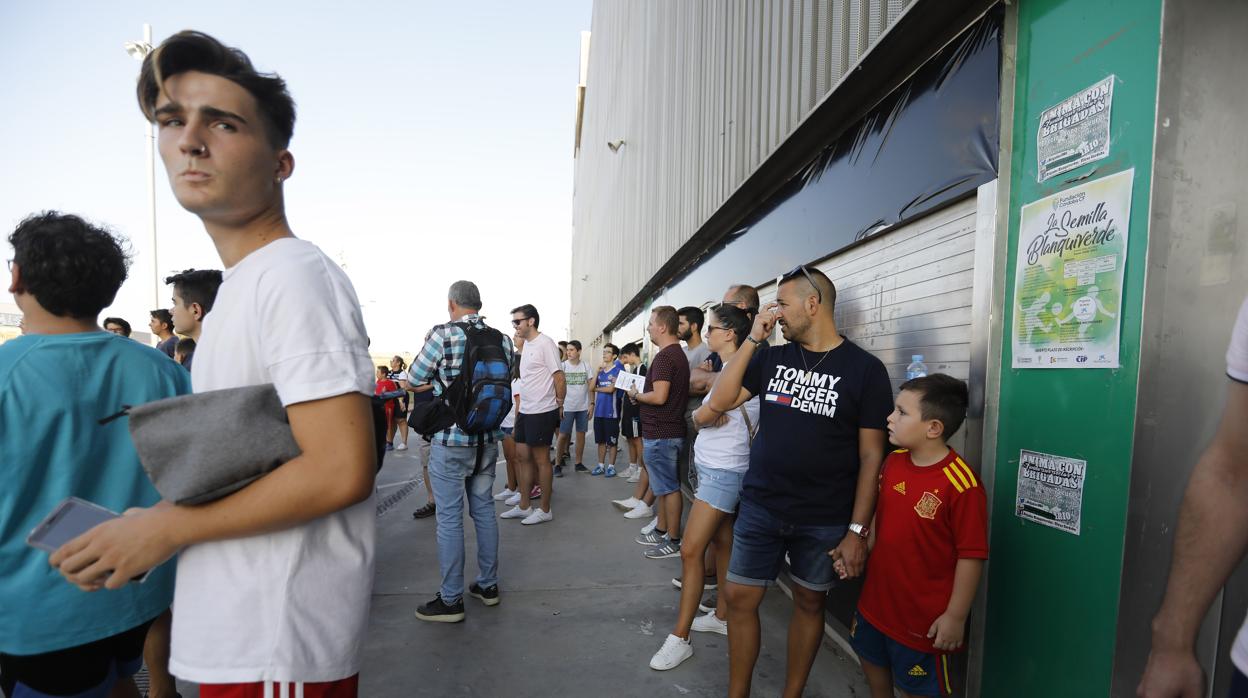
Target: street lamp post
(139, 50)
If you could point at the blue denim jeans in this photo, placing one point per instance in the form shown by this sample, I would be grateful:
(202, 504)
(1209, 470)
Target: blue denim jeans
(661, 455)
(450, 473)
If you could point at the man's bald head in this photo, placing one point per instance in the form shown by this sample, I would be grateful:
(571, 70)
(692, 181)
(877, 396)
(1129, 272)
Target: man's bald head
(743, 296)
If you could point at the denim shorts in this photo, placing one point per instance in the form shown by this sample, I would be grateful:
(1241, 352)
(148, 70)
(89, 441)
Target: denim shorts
(719, 488)
(578, 419)
(760, 540)
(660, 455)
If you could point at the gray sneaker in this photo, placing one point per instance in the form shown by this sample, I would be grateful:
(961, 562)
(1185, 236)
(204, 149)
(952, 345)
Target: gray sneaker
(667, 549)
(650, 538)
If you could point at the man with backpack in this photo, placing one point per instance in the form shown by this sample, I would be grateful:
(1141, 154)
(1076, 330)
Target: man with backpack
(461, 358)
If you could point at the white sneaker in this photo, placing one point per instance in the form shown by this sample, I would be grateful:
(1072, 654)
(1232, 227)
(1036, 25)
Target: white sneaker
(635, 476)
(516, 513)
(634, 471)
(671, 654)
(710, 624)
(507, 493)
(640, 511)
(538, 516)
(513, 500)
(649, 528)
(625, 504)
(401, 447)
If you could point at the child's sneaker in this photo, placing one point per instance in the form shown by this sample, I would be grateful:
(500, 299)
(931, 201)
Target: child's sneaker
(598, 470)
(610, 471)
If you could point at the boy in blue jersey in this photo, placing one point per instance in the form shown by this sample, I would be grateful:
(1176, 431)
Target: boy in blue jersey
(607, 411)
(56, 382)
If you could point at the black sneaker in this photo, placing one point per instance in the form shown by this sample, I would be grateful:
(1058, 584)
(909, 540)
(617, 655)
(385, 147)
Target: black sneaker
(580, 468)
(426, 511)
(438, 611)
(488, 595)
(558, 471)
(708, 604)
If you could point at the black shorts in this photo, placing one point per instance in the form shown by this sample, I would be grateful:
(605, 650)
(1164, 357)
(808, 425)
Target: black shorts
(536, 429)
(630, 426)
(94, 667)
(606, 430)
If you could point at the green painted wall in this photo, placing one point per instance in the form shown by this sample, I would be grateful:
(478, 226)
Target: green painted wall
(1053, 596)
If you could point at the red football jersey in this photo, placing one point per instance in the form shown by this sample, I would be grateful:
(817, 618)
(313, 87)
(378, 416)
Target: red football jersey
(926, 520)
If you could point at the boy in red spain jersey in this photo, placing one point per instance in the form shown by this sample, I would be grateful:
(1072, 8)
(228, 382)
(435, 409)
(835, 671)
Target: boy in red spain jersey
(928, 543)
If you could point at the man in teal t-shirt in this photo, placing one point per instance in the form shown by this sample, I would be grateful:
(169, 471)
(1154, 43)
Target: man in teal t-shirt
(56, 383)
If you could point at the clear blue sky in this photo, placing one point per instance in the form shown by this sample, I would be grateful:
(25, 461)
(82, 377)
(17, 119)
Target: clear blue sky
(433, 142)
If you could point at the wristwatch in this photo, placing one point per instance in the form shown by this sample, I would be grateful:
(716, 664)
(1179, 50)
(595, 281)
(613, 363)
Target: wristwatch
(750, 337)
(861, 530)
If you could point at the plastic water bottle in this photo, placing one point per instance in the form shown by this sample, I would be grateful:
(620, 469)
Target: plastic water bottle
(916, 369)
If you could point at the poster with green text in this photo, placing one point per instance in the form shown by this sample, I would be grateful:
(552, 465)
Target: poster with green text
(1072, 250)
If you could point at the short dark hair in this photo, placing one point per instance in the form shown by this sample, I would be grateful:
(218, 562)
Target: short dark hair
(196, 51)
(746, 295)
(693, 315)
(162, 315)
(125, 326)
(71, 267)
(667, 317)
(529, 312)
(196, 286)
(941, 397)
(825, 287)
(615, 351)
(735, 319)
(574, 343)
(632, 348)
(186, 345)
(563, 343)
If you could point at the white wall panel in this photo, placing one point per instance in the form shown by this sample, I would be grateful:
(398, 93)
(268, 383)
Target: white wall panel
(701, 93)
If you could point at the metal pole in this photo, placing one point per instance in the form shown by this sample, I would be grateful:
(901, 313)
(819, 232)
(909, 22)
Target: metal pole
(151, 193)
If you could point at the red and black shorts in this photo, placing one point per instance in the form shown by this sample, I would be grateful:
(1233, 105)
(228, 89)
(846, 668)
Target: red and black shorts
(342, 688)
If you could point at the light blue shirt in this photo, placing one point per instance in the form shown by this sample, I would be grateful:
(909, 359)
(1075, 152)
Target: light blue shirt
(54, 389)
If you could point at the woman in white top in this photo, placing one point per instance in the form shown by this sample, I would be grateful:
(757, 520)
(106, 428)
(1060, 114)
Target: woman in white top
(721, 456)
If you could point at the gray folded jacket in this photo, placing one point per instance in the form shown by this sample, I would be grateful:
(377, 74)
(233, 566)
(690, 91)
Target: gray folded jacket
(201, 447)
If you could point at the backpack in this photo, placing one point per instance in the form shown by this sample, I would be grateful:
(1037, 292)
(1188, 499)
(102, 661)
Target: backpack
(480, 396)
(478, 399)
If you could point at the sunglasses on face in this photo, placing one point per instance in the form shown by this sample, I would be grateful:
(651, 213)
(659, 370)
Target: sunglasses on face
(801, 269)
(516, 322)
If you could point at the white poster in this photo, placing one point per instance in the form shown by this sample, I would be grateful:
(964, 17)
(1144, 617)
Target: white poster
(1072, 251)
(1076, 131)
(1050, 490)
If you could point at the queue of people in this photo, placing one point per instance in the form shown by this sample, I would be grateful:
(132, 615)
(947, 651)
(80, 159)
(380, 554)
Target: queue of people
(802, 451)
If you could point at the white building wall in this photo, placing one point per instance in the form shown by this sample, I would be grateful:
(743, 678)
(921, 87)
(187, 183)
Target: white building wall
(700, 93)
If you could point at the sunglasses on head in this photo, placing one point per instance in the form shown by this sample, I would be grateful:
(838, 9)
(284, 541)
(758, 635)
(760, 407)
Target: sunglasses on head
(801, 269)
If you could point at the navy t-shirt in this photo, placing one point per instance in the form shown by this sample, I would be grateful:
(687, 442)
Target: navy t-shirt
(804, 461)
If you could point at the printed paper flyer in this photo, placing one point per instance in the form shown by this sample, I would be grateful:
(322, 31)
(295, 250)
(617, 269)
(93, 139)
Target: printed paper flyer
(1050, 490)
(1072, 250)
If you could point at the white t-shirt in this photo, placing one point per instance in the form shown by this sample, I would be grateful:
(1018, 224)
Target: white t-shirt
(727, 447)
(1237, 369)
(509, 422)
(539, 362)
(291, 605)
(577, 377)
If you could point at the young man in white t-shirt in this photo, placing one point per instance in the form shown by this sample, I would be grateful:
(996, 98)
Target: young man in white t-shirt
(575, 407)
(274, 580)
(542, 391)
(1209, 542)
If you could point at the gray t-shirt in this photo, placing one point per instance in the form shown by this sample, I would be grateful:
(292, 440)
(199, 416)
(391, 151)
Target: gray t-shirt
(698, 355)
